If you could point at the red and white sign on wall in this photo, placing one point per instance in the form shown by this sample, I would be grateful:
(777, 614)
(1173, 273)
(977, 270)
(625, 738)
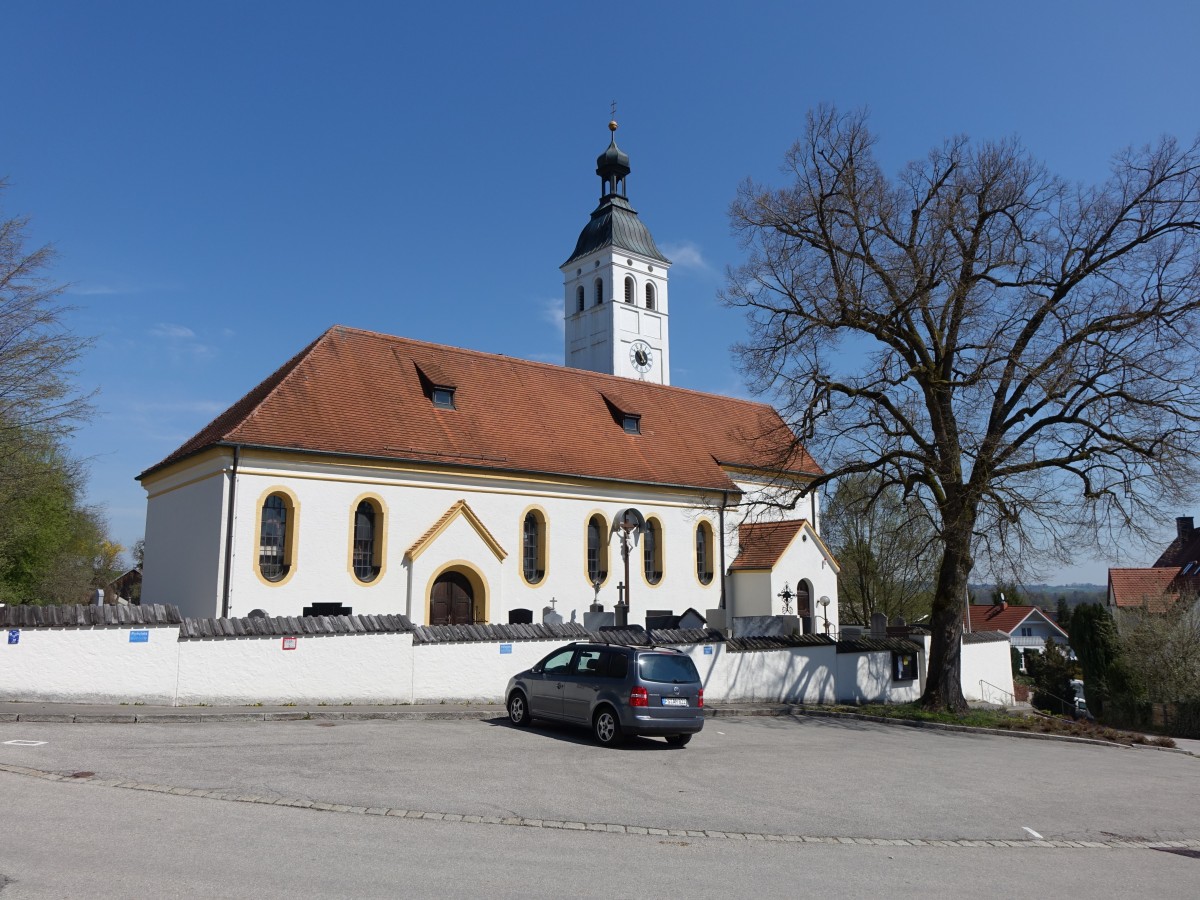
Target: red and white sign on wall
(289, 643)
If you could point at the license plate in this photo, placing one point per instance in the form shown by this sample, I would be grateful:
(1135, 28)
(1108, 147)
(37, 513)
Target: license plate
(674, 701)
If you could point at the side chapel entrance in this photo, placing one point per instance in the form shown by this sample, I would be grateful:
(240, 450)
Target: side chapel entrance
(452, 600)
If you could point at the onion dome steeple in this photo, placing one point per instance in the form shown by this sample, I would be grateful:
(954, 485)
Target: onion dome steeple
(614, 222)
(612, 166)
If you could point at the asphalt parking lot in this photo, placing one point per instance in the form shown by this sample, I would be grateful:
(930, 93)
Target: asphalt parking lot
(801, 785)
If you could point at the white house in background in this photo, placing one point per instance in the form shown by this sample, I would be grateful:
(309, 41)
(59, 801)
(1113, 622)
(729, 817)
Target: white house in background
(1027, 627)
(376, 474)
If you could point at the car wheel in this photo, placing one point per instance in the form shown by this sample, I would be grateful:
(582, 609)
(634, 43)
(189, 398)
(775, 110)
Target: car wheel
(606, 727)
(518, 709)
(678, 740)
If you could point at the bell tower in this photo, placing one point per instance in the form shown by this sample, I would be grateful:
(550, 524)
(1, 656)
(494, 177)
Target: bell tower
(615, 285)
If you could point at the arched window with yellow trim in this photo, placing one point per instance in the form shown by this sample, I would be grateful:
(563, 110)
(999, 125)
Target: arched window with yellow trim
(275, 537)
(368, 528)
(597, 549)
(533, 547)
(652, 561)
(704, 553)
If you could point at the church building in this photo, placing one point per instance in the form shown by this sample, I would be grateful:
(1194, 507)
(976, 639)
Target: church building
(377, 474)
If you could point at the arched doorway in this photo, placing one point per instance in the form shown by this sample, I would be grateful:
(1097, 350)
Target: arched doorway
(452, 600)
(804, 605)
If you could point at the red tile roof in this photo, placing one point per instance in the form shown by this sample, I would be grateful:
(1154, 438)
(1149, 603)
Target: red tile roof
(761, 544)
(358, 393)
(1154, 589)
(991, 617)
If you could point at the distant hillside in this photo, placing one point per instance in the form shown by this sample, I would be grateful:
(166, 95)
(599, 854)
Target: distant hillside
(1046, 595)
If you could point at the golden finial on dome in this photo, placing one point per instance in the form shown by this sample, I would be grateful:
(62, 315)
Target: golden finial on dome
(612, 125)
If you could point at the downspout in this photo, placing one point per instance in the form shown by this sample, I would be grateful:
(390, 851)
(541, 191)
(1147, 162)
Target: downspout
(237, 453)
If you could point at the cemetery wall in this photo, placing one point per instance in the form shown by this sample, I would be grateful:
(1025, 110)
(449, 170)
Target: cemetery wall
(104, 665)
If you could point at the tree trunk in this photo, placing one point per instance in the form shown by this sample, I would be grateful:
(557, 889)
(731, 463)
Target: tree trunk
(943, 683)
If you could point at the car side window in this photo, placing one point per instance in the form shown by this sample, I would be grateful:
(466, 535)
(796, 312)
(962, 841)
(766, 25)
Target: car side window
(591, 662)
(618, 665)
(559, 663)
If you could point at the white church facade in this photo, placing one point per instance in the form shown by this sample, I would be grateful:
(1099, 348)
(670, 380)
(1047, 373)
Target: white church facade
(376, 474)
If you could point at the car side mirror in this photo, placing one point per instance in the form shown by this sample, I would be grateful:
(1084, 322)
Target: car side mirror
(537, 670)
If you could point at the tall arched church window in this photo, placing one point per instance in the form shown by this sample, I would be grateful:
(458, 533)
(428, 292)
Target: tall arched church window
(652, 551)
(649, 295)
(579, 298)
(704, 552)
(275, 537)
(368, 526)
(597, 550)
(599, 286)
(628, 288)
(533, 547)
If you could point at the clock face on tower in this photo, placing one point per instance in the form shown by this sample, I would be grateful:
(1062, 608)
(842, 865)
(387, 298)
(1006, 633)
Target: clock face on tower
(641, 355)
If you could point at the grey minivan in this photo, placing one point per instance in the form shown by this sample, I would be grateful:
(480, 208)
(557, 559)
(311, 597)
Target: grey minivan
(613, 689)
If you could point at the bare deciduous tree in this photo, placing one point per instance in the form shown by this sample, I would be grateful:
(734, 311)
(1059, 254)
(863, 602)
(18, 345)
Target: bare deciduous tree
(884, 545)
(37, 351)
(1016, 352)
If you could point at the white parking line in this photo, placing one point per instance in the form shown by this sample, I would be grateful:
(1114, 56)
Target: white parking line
(25, 743)
(1034, 833)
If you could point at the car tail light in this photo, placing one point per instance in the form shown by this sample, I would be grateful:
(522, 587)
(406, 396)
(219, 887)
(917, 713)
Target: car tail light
(700, 698)
(639, 696)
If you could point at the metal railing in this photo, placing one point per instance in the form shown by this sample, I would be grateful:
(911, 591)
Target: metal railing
(996, 691)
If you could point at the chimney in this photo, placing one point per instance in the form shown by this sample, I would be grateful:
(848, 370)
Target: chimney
(1003, 605)
(1184, 528)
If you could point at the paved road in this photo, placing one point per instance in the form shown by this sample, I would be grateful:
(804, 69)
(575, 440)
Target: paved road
(806, 786)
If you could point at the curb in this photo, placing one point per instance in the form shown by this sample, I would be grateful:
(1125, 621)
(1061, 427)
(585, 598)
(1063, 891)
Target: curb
(1188, 847)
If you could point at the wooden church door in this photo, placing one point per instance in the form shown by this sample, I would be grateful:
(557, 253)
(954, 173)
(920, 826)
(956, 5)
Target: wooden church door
(452, 602)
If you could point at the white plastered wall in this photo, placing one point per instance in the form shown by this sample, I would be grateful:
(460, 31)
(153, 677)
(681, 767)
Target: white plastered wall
(93, 665)
(185, 524)
(987, 666)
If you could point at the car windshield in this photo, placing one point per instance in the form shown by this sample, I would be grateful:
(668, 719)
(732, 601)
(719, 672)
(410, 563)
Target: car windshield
(667, 668)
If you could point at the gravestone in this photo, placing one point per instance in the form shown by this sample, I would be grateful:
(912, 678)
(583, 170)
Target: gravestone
(520, 617)
(878, 625)
(691, 619)
(550, 617)
(594, 621)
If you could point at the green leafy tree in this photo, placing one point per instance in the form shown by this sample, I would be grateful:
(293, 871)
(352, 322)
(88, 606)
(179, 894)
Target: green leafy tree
(1098, 649)
(1160, 652)
(49, 540)
(1051, 673)
(1013, 350)
(885, 548)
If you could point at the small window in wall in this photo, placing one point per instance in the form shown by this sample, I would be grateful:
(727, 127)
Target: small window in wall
(275, 537)
(629, 289)
(597, 549)
(533, 547)
(1026, 632)
(579, 299)
(649, 295)
(704, 552)
(443, 397)
(599, 291)
(631, 423)
(652, 551)
(368, 527)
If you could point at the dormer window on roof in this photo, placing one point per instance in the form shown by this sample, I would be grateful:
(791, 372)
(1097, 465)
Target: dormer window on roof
(436, 386)
(630, 422)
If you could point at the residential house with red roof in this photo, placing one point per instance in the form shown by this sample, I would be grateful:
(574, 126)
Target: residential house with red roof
(375, 474)
(1176, 573)
(1027, 627)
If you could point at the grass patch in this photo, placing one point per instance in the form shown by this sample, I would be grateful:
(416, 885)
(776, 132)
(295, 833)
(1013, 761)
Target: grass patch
(1004, 721)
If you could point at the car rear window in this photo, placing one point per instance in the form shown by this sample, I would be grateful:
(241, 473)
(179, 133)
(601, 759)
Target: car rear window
(667, 668)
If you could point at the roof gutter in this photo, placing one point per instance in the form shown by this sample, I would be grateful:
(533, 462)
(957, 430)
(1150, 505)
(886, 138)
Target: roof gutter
(237, 455)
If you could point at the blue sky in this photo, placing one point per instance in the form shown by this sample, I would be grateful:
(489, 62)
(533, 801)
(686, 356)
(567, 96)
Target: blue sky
(224, 180)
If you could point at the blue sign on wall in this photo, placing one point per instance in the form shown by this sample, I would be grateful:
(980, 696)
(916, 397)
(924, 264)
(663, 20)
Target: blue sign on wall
(14, 636)
(708, 650)
(139, 637)
(505, 649)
